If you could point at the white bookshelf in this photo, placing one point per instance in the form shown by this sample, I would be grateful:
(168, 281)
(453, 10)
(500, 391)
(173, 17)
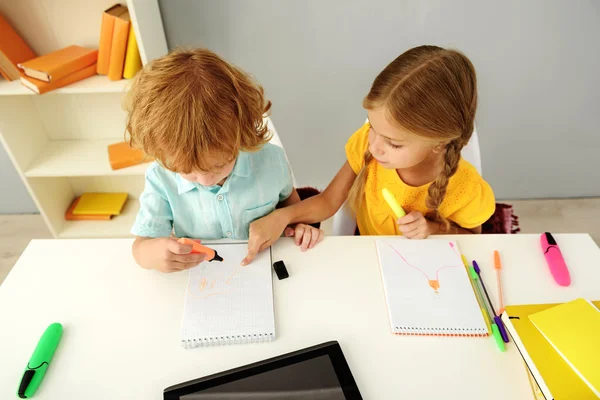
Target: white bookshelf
(94, 84)
(58, 141)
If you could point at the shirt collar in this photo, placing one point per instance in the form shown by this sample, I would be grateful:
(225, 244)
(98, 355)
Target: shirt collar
(242, 165)
(241, 168)
(184, 185)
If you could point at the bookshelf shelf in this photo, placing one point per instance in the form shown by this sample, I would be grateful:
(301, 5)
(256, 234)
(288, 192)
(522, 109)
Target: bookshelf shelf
(118, 226)
(77, 158)
(94, 84)
(58, 141)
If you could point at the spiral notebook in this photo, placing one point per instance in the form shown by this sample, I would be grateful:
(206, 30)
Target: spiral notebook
(226, 303)
(427, 289)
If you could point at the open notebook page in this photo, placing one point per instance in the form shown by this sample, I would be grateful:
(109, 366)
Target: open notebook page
(227, 303)
(427, 288)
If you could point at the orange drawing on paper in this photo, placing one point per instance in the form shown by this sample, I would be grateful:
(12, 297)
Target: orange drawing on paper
(214, 288)
(433, 283)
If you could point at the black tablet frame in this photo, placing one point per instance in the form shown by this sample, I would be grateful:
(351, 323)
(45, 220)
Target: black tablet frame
(331, 349)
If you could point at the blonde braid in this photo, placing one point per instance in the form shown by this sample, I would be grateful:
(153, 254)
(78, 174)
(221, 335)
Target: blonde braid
(356, 195)
(437, 190)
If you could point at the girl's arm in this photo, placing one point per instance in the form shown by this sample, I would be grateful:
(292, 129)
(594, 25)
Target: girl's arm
(292, 199)
(265, 231)
(322, 206)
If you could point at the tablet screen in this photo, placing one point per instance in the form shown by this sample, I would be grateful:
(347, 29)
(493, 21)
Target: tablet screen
(314, 378)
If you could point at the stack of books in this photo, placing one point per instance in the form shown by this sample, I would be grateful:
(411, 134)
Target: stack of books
(118, 55)
(58, 69)
(559, 344)
(96, 207)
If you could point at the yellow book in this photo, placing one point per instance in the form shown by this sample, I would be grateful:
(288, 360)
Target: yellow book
(556, 380)
(535, 388)
(572, 329)
(133, 62)
(100, 204)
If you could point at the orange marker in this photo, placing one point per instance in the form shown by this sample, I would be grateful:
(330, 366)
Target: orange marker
(198, 248)
(498, 266)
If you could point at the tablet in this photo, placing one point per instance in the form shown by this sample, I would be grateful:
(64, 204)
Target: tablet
(318, 372)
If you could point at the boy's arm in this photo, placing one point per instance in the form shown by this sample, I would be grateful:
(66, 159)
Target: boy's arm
(164, 254)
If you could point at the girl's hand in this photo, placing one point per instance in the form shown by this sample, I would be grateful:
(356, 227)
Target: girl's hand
(305, 236)
(263, 233)
(166, 255)
(415, 225)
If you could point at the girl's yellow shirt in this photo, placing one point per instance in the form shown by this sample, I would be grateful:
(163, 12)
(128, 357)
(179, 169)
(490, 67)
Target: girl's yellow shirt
(469, 200)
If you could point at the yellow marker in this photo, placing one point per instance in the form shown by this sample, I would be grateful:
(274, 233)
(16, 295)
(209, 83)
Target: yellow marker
(391, 200)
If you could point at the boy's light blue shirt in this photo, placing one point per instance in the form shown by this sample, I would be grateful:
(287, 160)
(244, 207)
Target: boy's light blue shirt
(257, 183)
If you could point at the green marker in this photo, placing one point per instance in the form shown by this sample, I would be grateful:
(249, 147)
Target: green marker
(39, 361)
(495, 331)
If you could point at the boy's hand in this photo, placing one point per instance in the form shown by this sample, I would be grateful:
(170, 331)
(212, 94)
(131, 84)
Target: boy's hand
(167, 255)
(415, 225)
(263, 233)
(305, 236)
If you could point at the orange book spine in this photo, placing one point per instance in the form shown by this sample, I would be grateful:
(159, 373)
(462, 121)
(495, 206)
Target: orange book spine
(42, 87)
(118, 48)
(106, 35)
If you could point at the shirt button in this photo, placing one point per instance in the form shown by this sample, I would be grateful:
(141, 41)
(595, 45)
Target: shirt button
(228, 234)
(220, 197)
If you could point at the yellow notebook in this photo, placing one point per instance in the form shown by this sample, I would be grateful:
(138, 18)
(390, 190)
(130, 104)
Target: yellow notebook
(552, 374)
(100, 204)
(572, 329)
(133, 62)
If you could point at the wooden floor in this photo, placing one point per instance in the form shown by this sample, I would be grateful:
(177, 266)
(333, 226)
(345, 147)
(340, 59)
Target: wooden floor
(560, 216)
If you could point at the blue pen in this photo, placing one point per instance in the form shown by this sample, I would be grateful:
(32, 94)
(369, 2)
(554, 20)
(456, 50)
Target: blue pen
(496, 317)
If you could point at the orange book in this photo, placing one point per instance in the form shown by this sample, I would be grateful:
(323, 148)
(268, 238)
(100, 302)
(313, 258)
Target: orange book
(7, 69)
(118, 47)
(4, 75)
(41, 87)
(121, 155)
(60, 63)
(106, 36)
(13, 50)
(69, 216)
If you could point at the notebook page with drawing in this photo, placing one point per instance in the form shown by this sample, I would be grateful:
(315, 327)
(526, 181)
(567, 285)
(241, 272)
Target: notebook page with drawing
(226, 303)
(427, 288)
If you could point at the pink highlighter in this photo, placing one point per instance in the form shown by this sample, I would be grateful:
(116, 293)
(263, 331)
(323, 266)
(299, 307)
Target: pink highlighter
(555, 260)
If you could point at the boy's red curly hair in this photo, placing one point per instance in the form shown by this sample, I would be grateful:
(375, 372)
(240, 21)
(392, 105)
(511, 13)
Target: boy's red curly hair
(190, 104)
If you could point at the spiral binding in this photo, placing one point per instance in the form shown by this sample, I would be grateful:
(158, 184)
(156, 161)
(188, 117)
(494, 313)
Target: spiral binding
(414, 330)
(225, 340)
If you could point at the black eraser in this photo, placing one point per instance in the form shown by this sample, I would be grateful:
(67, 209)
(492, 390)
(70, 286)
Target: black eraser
(280, 270)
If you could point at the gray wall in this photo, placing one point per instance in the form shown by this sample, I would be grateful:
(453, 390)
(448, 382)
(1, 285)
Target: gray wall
(538, 65)
(14, 198)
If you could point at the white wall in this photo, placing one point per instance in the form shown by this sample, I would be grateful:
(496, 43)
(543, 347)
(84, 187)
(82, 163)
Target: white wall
(14, 198)
(538, 63)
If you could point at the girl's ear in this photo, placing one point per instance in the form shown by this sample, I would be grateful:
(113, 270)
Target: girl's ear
(439, 148)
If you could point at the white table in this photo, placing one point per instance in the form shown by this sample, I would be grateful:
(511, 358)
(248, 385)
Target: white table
(121, 337)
